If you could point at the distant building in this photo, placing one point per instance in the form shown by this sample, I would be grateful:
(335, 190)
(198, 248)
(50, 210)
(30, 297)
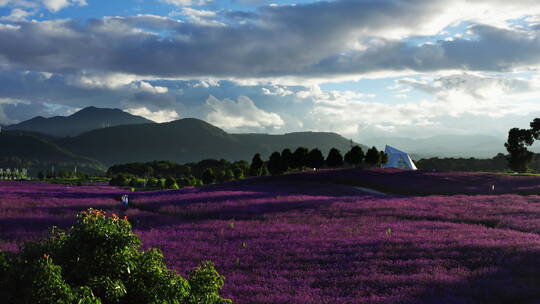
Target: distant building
(398, 159)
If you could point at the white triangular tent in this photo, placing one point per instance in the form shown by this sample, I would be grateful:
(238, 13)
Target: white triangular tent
(398, 159)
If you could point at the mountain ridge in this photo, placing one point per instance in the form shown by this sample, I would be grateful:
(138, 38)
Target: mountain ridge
(189, 140)
(84, 120)
(36, 152)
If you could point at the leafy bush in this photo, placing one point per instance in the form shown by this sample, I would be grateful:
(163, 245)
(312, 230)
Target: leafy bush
(189, 180)
(120, 180)
(208, 176)
(170, 183)
(153, 183)
(99, 260)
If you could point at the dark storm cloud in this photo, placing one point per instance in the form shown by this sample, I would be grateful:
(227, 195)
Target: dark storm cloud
(304, 40)
(493, 49)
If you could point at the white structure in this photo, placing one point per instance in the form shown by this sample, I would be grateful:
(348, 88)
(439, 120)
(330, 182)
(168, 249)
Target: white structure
(398, 159)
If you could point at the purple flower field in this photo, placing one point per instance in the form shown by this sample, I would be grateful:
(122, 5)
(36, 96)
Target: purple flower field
(302, 238)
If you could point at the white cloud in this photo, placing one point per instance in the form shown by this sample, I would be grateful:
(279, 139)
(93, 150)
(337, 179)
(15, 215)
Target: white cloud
(241, 114)
(157, 116)
(147, 87)
(112, 81)
(3, 118)
(10, 101)
(16, 14)
(331, 97)
(207, 83)
(57, 5)
(19, 3)
(101, 80)
(455, 98)
(201, 17)
(480, 94)
(277, 91)
(187, 2)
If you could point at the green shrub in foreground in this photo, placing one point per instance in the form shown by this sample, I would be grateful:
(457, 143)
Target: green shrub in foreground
(99, 260)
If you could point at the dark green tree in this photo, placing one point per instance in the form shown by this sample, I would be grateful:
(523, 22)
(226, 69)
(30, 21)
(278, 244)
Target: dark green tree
(256, 165)
(264, 170)
(287, 158)
(334, 158)
(208, 176)
(276, 164)
(299, 158)
(120, 180)
(518, 139)
(535, 128)
(238, 172)
(315, 159)
(373, 157)
(354, 156)
(383, 158)
(240, 169)
(225, 175)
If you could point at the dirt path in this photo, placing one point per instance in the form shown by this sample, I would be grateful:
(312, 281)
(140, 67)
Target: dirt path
(370, 191)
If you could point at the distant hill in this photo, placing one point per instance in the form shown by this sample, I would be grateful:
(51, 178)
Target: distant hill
(478, 146)
(21, 149)
(188, 140)
(87, 119)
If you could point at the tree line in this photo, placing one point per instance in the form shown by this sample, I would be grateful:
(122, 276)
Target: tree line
(13, 174)
(303, 158)
(170, 175)
(499, 163)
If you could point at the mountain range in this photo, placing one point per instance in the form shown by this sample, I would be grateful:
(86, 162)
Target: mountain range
(111, 136)
(135, 139)
(189, 140)
(478, 146)
(85, 120)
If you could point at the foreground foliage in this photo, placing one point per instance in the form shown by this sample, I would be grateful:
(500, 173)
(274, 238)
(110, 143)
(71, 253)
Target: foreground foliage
(99, 260)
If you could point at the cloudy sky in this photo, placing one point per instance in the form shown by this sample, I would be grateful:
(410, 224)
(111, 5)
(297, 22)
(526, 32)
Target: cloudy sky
(362, 68)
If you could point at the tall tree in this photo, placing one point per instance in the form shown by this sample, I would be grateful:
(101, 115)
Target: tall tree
(334, 158)
(315, 158)
(256, 165)
(300, 156)
(287, 158)
(535, 128)
(275, 164)
(354, 156)
(373, 157)
(516, 145)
